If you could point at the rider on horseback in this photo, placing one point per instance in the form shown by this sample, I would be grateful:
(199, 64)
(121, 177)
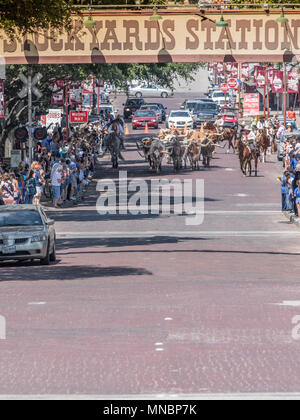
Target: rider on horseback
(250, 138)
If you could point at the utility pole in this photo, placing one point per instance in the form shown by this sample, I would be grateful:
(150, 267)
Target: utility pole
(28, 88)
(29, 92)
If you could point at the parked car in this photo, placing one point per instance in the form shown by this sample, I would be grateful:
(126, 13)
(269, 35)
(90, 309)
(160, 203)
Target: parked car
(132, 105)
(179, 118)
(150, 90)
(162, 108)
(205, 111)
(26, 233)
(141, 117)
(154, 108)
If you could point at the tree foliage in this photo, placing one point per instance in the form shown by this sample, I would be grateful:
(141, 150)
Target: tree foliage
(28, 16)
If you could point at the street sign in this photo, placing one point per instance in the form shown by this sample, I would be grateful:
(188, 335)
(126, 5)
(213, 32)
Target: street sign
(53, 117)
(233, 83)
(224, 87)
(78, 117)
(34, 89)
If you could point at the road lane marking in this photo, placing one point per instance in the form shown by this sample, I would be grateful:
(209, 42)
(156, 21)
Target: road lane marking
(293, 303)
(36, 303)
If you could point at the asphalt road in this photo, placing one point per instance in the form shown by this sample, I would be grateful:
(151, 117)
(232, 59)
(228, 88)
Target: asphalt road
(148, 305)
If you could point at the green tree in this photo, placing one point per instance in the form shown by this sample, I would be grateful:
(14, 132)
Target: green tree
(27, 16)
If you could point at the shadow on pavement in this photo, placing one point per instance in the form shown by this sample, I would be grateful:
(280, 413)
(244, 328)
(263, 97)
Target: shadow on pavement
(61, 272)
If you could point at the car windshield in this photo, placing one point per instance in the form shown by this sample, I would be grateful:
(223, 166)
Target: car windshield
(132, 102)
(144, 114)
(191, 105)
(106, 108)
(206, 107)
(20, 218)
(218, 94)
(149, 107)
(179, 114)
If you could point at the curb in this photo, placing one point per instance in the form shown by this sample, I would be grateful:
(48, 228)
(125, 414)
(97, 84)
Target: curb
(292, 218)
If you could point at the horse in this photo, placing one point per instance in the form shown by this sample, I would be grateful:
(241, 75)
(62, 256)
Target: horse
(112, 143)
(264, 144)
(246, 155)
(229, 134)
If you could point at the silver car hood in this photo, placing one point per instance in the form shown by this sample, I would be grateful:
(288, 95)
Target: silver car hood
(17, 230)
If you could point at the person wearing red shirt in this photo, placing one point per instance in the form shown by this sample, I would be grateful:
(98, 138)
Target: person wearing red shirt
(291, 114)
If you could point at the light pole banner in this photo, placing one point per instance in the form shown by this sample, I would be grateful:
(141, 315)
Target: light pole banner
(129, 36)
(292, 81)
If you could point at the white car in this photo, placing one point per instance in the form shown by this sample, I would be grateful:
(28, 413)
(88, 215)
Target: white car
(219, 97)
(150, 91)
(180, 118)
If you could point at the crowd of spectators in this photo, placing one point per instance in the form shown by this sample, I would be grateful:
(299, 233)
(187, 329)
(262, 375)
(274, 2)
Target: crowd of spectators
(290, 180)
(62, 168)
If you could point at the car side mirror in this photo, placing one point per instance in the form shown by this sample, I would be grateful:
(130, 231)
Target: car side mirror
(50, 222)
(166, 107)
(182, 107)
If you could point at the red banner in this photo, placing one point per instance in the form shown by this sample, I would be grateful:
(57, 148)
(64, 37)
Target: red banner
(244, 71)
(75, 94)
(57, 98)
(78, 117)
(220, 68)
(260, 79)
(232, 69)
(277, 82)
(270, 75)
(88, 86)
(292, 81)
(2, 113)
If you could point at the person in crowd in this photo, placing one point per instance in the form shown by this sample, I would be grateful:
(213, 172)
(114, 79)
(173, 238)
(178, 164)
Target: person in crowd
(291, 114)
(30, 187)
(56, 181)
(7, 188)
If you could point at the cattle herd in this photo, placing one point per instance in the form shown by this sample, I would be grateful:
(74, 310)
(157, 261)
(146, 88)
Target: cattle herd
(181, 148)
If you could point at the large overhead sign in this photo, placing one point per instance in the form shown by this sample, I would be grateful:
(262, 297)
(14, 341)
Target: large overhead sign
(181, 36)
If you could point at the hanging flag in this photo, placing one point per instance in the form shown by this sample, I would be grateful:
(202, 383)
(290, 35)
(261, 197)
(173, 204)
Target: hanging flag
(75, 94)
(277, 83)
(292, 81)
(220, 68)
(260, 78)
(57, 98)
(88, 86)
(2, 114)
(234, 70)
(245, 71)
(270, 75)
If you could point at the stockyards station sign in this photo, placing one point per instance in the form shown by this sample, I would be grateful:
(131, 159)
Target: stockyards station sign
(180, 36)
